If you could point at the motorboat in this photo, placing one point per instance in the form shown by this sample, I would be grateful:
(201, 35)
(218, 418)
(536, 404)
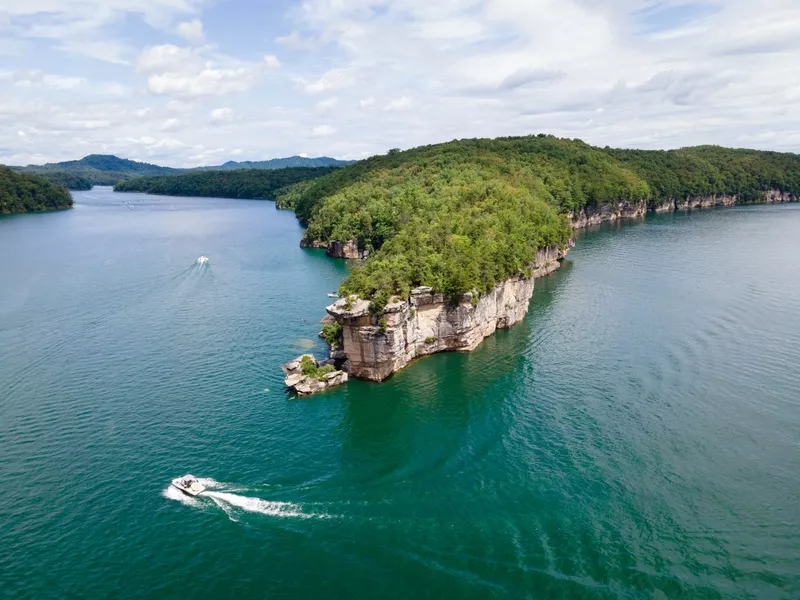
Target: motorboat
(189, 484)
(333, 295)
(202, 260)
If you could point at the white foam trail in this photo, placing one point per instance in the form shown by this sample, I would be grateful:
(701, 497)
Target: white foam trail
(257, 505)
(209, 483)
(174, 494)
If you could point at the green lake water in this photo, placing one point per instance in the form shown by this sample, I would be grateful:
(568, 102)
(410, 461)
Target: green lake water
(637, 436)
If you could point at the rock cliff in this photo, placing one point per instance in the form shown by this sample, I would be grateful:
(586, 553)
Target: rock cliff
(336, 249)
(375, 346)
(607, 212)
(774, 196)
(591, 216)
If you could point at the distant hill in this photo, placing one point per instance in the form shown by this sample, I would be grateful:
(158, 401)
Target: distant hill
(95, 169)
(107, 169)
(280, 163)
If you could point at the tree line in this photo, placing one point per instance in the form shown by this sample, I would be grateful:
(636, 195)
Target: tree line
(242, 183)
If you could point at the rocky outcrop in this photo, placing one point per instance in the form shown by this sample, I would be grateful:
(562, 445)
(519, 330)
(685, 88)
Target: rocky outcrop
(775, 196)
(334, 249)
(590, 216)
(608, 212)
(345, 250)
(692, 202)
(304, 243)
(375, 346)
(306, 384)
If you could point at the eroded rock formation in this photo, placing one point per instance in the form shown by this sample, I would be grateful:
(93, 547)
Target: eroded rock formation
(607, 212)
(304, 384)
(335, 249)
(591, 216)
(375, 346)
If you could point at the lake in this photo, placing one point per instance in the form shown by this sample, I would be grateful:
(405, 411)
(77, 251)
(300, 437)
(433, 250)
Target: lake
(637, 436)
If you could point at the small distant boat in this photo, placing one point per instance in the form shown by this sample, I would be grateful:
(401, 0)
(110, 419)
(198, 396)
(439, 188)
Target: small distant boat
(202, 260)
(333, 295)
(189, 484)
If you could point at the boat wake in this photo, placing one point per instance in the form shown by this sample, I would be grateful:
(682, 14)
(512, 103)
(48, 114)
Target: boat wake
(234, 505)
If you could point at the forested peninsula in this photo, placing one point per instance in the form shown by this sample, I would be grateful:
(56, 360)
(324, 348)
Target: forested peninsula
(240, 183)
(455, 233)
(21, 193)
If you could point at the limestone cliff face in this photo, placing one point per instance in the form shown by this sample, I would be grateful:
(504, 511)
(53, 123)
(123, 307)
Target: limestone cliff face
(774, 196)
(693, 202)
(336, 249)
(375, 346)
(607, 212)
(345, 250)
(591, 216)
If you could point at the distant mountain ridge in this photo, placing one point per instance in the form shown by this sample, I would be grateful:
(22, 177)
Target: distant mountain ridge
(107, 169)
(279, 163)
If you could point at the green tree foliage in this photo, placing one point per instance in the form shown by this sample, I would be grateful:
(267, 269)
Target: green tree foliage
(243, 183)
(331, 332)
(710, 170)
(25, 193)
(71, 181)
(466, 215)
(309, 369)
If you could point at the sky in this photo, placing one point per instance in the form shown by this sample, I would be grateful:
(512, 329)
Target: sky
(199, 82)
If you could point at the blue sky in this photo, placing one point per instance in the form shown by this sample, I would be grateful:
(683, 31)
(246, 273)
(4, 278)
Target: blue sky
(186, 82)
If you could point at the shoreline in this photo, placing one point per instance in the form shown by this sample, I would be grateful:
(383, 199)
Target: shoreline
(375, 346)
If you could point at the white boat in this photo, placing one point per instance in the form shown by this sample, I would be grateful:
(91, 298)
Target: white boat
(189, 484)
(202, 260)
(333, 295)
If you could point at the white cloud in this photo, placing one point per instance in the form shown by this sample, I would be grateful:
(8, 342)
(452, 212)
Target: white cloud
(272, 61)
(187, 72)
(296, 41)
(191, 31)
(180, 106)
(208, 82)
(402, 103)
(219, 115)
(327, 104)
(36, 78)
(168, 58)
(322, 130)
(366, 102)
(335, 79)
(171, 124)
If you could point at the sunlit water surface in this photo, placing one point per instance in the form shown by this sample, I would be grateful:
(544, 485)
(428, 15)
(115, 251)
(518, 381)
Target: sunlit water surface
(637, 436)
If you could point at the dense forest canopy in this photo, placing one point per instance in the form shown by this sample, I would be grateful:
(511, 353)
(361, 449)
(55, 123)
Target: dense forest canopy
(71, 181)
(21, 192)
(242, 183)
(465, 215)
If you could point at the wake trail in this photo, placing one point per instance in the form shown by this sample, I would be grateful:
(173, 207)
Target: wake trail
(233, 504)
